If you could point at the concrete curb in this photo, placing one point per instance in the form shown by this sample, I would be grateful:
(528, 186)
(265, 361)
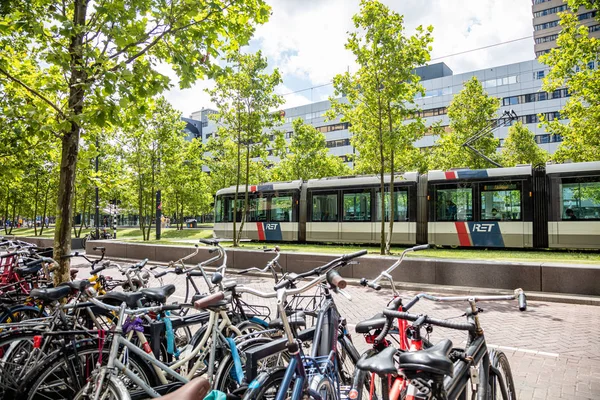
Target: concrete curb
(430, 288)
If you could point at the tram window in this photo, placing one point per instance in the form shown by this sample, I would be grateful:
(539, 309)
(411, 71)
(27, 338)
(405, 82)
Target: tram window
(281, 209)
(324, 208)
(580, 200)
(219, 210)
(357, 206)
(228, 215)
(400, 209)
(455, 204)
(501, 202)
(257, 209)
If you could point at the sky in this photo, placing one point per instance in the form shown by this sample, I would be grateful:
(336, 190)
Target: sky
(305, 39)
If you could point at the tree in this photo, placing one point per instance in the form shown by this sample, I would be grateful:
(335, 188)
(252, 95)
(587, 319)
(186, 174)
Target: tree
(308, 157)
(380, 95)
(470, 112)
(520, 148)
(82, 62)
(152, 143)
(245, 97)
(570, 67)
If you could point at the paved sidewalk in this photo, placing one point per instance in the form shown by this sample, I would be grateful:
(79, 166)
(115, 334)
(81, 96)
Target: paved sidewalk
(553, 348)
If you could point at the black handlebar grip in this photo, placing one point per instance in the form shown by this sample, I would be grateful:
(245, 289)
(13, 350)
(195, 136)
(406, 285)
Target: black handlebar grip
(34, 262)
(160, 274)
(267, 250)
(96, 270)
(210, 251)
(98, 248)
(142, 263)
(284, 283)
(363, 282)
(350, 256)
(210, 242)
(152, 268)
(244, 271)
(522, 301)
(421, 247)
(335, 279)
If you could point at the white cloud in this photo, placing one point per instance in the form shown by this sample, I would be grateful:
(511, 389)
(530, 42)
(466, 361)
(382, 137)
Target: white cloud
(305, 40)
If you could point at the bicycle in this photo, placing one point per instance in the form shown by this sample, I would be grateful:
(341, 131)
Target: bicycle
(442, 372)
(317, 375)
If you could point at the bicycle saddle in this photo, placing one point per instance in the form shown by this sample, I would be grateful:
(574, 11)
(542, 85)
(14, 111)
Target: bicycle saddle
(433, 360)
(296, 320)
(213, 304)
(196, 389)
(380, 363)
(159, 294)
(22, 271)
(131, 299)
(77, 285)
(50, 294)
(375, 322)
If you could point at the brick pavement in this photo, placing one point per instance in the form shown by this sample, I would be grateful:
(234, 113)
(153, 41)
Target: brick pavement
(553, 348)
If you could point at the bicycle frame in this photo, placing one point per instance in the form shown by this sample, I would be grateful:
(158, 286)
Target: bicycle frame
(218, 321)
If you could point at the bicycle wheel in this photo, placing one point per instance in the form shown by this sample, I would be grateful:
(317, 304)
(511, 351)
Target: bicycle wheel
(63, 376)
(267, 385)
(348, 356)
(324, 387)
(225, 378)
(500, 362)
(113, 389)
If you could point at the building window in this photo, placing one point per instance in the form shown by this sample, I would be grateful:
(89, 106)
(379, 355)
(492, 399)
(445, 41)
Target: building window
(338, 143)
(587, 15)
(510, 101)
(542, 52)
(357, 206)
(594, 28)
(549, 11)
(288, 135)
(539, 74)
(539, 1)
(546, 25)
(455, 204)
(542, 139)
(334, 127)
(508, 80)
(545, 39)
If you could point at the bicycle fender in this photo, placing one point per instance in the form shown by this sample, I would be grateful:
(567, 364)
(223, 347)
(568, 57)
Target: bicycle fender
(237, 363)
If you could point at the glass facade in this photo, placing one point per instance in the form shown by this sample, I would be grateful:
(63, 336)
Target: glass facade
(580, 200)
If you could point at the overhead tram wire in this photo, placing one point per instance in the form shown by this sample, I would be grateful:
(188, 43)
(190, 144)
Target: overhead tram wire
(433, 59)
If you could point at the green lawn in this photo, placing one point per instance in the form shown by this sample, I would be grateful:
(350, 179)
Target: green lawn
(189, 237)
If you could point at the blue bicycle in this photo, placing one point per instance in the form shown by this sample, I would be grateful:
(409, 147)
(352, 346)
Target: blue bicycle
(316, 376)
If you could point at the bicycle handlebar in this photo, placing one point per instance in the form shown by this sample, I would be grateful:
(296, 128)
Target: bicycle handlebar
(387, 273)
(463, 326)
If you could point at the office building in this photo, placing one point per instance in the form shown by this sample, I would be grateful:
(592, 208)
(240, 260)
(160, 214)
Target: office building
(546, 23)
(518, 86)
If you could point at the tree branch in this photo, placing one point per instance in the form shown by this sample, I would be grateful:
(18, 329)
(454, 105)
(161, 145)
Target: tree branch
(33, 91)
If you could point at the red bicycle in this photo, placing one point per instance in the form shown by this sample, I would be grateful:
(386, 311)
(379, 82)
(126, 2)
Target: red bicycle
(407, 338)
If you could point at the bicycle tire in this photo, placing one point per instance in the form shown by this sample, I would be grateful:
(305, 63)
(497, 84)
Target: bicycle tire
(20, 313)
(500, 362)
(347, 360)
(266, 385)
(71, 374)
(222, 381)
(324, 387)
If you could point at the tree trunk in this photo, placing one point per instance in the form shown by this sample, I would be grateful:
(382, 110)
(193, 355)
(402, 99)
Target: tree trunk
(392, 194)
(237, 189)
(392, 171)
(70, 146)
(382, 178)
(45, 209)
(35, 206)
(246, 202)
(14, 214)
(5, 215)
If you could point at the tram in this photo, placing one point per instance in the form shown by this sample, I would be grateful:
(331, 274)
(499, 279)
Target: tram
(557, 206)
